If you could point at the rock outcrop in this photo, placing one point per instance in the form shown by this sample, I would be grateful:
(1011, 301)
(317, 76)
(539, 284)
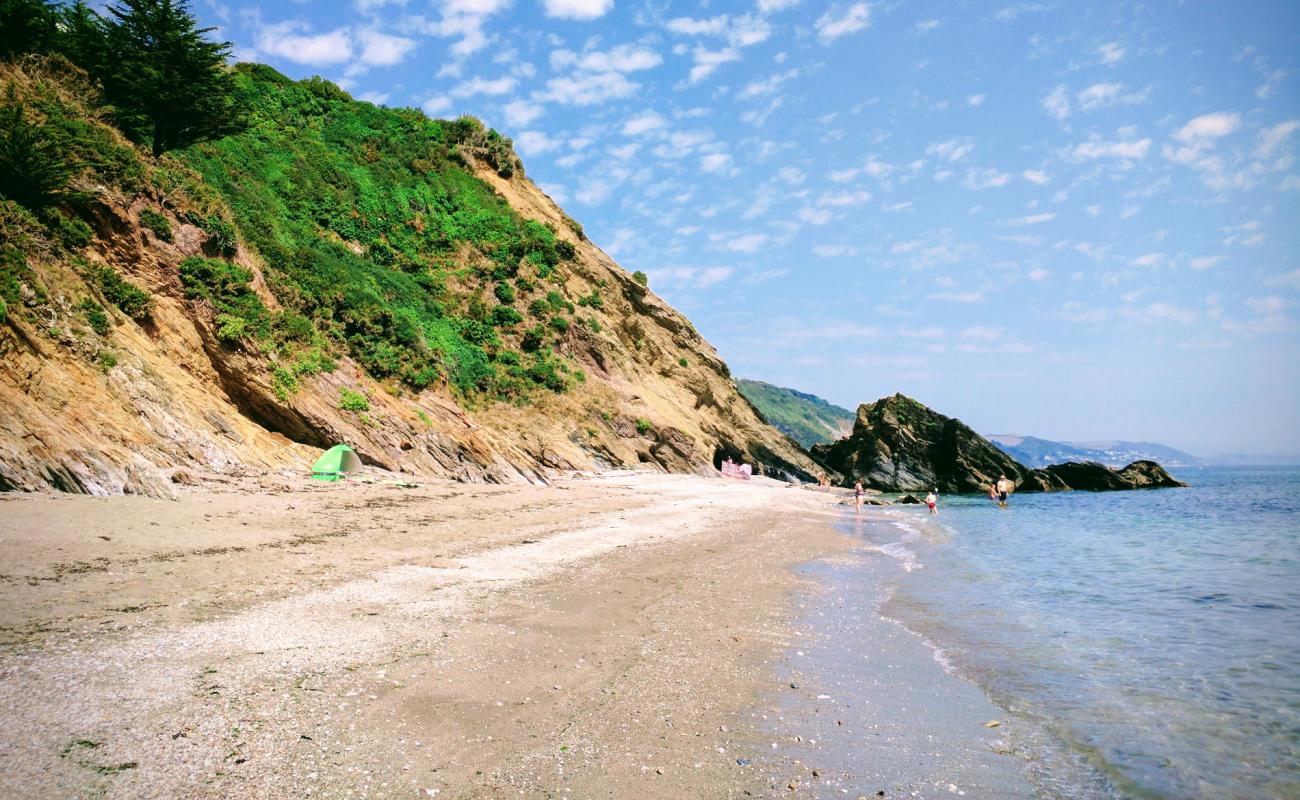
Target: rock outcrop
(1095, 477)
(900, 445)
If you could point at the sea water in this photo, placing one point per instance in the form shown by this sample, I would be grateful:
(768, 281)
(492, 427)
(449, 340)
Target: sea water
(1142, 644)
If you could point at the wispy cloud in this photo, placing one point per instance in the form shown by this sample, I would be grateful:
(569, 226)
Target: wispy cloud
(839, 22)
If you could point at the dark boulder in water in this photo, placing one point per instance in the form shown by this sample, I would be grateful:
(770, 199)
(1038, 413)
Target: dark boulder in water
(900, 445)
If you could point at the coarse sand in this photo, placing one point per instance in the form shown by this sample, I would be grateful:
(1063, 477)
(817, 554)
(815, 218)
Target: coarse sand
(596, 638)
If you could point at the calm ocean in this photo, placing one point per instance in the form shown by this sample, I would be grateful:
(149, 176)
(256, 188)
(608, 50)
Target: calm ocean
(1140, 644)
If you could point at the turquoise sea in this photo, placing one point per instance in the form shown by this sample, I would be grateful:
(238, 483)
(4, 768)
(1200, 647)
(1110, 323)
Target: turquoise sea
(1140, 644)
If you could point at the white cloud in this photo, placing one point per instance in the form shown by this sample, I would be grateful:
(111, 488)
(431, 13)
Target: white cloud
(1204, 262)
(1033, 219)
(958, 297)
(588, 88)
(1057, 102)
(708, 61)
(748, 243)
(1101, 95)
(594, 190)
(975, 100)
(985, 179)
(842, 199)
(1038, 274)
(644, 123)
(767, 86)
(906, 205)
(689, 26)
(1272, 304)
(688, 277)
(378, 98)
(1149, 260)
(1036, 176)
(1125, 149)
(951, 150)
(476, 86)
(1166, 312)
(815, 216)
(1208, 126)
(286, 41)
(462, 20)
(1284, 280)
(383, 50)
(768, 6)
(834, 250)
(436, 105)
(1011, 13)
(521, 112)
(1270, 139)
(536, 142)
(1110, 53)
(577, 9)
(933, 332)
(715, 162)
(925, 26)
(982, 332)
(835, 23)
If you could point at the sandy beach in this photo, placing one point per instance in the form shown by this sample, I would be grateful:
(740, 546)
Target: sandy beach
(609, 636)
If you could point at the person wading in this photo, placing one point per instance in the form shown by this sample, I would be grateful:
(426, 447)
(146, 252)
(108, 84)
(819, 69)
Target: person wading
(1004, 487)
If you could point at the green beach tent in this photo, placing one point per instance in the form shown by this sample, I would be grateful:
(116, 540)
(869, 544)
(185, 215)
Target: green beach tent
(338, 462)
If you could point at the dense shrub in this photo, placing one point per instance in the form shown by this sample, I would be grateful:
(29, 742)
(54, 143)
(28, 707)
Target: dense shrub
(352, 401)
(533, 338)
(641, 278)
(96, 316)
(157, 223)
(134, 301)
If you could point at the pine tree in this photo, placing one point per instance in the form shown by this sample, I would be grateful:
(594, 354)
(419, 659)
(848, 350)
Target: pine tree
(34, 169)
(169, 84)
(82, 37)
(26, 26)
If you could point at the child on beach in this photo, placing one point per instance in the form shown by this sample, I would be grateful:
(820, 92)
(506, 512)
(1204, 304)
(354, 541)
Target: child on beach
(857, 497)
(932, 501)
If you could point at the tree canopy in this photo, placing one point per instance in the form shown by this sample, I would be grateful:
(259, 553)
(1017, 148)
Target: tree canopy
(167, 82)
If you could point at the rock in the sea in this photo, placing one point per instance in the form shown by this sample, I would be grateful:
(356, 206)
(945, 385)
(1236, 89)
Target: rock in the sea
(908, 500)
(1149, 475)
(899, 445)
(1091, 476)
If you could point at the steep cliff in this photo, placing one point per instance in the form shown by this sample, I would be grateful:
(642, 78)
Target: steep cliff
(898, 444)
(338, 272)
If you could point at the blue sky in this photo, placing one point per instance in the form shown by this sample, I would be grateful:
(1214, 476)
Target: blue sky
(1072, 220)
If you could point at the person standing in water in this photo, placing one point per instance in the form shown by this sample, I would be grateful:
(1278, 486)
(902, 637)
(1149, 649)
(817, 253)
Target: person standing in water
(932, 501)
(1004, 488)
(857, 497)
(993, 492)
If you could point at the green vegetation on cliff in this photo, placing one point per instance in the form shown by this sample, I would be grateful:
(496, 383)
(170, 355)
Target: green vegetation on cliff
(375, 235)
(806, 418)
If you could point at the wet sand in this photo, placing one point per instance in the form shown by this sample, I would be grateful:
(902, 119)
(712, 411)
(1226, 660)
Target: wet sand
(610, 636)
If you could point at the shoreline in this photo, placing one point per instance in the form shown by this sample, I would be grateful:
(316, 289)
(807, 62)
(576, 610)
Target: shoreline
(611, 635)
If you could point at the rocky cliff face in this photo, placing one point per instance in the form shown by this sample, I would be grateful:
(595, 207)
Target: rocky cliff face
(129, 404)
(898, 444)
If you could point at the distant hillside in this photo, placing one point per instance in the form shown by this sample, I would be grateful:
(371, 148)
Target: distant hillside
(806, 418)
(1035, 452)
